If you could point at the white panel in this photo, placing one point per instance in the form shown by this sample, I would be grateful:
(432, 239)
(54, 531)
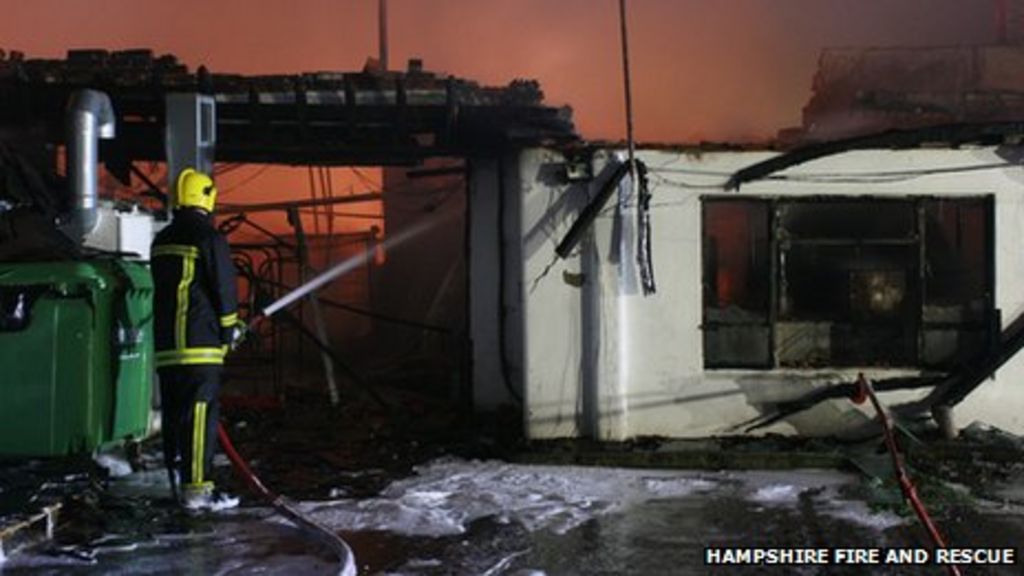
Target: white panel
(135, 233)
(122, 232)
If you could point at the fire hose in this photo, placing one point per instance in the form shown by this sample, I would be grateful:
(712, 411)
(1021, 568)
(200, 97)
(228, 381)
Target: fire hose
(866, 391)
(282, 505)
(288, 509)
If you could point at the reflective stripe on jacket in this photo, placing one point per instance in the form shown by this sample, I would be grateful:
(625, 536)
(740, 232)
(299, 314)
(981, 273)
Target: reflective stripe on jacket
(195, 301)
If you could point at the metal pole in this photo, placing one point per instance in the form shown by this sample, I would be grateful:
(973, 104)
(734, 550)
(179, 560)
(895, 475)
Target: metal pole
(629, 95)
(383, 40)
(1000, 10)
(318, 317)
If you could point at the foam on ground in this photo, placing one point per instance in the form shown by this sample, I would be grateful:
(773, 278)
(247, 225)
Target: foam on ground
(447, 495)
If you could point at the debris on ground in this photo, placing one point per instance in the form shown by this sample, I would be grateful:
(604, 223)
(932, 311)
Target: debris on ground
(423, 495)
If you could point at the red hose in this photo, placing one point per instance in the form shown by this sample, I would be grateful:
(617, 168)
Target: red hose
(241, 466)
(287, 509)
(864, 388)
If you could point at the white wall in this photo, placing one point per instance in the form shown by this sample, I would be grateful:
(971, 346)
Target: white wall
(600, 362)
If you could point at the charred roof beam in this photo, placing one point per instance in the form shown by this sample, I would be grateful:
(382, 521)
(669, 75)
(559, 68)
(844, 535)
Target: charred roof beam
(953, 135)
(402, 117)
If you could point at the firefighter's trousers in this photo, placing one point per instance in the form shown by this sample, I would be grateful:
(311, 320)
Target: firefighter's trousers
(188, 397)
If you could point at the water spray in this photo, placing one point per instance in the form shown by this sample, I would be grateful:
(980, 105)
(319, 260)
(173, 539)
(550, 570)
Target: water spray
(338, 270)
(282, 505)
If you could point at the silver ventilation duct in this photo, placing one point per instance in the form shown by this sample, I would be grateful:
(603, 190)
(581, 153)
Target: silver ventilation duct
(90, 117)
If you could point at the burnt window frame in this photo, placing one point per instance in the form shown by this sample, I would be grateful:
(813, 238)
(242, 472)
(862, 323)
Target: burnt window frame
(988, 325)
(768, 323)
(990, 322)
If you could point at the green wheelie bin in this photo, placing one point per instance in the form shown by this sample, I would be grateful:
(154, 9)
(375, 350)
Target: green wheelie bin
(76, 355)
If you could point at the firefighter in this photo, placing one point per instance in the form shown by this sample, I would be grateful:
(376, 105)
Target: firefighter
(195, 323)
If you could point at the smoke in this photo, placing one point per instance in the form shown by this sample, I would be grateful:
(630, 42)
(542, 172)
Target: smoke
(725, 70)
(730, 70)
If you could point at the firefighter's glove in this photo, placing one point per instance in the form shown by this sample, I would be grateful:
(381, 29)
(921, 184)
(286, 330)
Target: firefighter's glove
(239, 331)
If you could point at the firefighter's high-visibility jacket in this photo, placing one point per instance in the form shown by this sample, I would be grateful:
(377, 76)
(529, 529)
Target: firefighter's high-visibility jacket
(195, 304)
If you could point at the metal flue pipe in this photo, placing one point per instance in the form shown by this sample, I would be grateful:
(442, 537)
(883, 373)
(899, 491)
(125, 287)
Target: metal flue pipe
(90, 116)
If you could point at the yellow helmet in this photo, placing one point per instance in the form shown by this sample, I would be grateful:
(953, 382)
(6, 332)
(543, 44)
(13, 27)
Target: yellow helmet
(196, 190)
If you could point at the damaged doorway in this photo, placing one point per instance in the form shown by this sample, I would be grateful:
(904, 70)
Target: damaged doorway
(847, 281)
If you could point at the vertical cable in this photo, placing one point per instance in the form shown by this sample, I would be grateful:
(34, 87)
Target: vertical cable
(329, 194)
(640, 193)
(644, 249)
(313, 195)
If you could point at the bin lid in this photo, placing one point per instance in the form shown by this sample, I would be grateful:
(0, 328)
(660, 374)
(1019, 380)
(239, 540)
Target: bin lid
(94, 274)
(90, 274)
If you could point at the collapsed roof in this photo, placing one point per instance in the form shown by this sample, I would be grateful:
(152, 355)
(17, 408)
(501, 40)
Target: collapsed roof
(859, 91)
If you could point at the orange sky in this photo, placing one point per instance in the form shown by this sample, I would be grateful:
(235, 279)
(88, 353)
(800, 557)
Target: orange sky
(703, 69)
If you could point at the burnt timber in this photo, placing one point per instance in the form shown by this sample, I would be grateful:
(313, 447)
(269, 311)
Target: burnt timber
(326, 118)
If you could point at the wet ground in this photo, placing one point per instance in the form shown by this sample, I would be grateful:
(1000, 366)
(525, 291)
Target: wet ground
(422, 501)
(454, 516)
